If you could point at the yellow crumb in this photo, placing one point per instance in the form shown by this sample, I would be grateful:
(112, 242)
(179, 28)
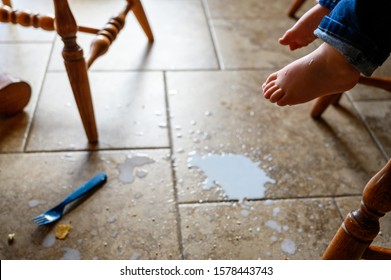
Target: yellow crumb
(62, 231)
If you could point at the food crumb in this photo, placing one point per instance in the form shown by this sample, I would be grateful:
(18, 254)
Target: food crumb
(62, 231)
(11, 238)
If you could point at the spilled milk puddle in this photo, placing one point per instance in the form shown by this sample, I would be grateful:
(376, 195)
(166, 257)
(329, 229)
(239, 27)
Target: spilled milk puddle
(236, 174)
(240, 178)
(127, 169)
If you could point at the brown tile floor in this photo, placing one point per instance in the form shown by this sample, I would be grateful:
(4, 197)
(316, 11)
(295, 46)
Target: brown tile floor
(193, 98)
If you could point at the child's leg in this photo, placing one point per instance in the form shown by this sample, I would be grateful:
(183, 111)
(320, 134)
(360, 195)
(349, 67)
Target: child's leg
(355, 42)
(322, 72)
(302, 33)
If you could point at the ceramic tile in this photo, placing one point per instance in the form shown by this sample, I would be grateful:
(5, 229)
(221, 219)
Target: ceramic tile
(254, 43)
(246, 9)
(349, 204)
(130, 106)
(182, 41)
(16, 60)
(367, 93)
(115, 222)
(286, 229)
(223, 113)
(376, 115)
(95, 13)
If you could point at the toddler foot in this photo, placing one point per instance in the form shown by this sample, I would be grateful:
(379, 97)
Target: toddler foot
(302, 33)
(322, 72)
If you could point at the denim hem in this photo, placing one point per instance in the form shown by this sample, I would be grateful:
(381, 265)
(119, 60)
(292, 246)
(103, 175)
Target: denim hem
(328, 4)
(354, 56)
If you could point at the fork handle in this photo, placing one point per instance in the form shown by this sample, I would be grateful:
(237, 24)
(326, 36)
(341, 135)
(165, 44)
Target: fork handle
(92, 183)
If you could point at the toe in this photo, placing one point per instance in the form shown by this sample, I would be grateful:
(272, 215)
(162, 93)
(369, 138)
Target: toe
(283, 101)
(270, 91)
(271, 78)
(277, 95)
(268, 86)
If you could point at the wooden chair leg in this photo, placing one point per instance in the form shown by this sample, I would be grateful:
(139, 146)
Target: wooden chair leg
(383, 83)
(377, 253)
(7, 3)
(139, 13)
(76, 67)
(361, 226)
(323, 102)
(296, 4)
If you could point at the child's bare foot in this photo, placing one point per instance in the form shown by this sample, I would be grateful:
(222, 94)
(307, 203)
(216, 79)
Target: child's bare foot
(322, 72)
(302, 33)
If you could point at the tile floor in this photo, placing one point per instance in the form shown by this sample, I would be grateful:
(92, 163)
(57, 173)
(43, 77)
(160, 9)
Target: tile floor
(163, 113)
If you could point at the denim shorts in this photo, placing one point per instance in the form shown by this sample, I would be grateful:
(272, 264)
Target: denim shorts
(360, 30)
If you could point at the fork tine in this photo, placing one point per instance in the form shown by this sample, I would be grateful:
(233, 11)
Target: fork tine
(39, 219)
(42, 222)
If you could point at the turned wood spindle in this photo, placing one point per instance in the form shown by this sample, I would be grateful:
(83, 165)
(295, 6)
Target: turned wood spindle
(29, 19)
(7, 3)
(361, 226)
(26, 18)
(107, 35)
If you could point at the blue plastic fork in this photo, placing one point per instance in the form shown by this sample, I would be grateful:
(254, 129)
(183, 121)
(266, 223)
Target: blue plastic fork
(56, 212)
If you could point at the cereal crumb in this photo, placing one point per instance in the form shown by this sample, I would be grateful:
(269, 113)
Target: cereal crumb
(62, 231)
(11, 238)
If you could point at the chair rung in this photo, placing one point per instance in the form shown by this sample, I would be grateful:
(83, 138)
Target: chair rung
(107, 35)
(377, 253)
(29, 19)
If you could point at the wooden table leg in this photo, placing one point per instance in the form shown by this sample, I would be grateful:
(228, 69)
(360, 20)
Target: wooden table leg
(76, 67)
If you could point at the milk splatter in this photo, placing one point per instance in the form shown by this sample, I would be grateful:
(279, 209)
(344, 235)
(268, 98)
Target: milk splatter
(135, 256)
(126, 169)
(70, 254)
(237, 175)
(288, 246)
(274, 225)
(34, 203)
(49, 240)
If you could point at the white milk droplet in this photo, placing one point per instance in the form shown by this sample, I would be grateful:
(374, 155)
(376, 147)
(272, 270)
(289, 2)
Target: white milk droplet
(49, 240)
(288, 246)
(70, 254)
(274, 225)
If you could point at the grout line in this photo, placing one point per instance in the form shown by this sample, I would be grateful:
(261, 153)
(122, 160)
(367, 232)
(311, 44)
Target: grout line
(338, 209)
(27, 134)
(212, 33)
(369, 130)
(107, 149)
(172, 162)
(270, 199)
